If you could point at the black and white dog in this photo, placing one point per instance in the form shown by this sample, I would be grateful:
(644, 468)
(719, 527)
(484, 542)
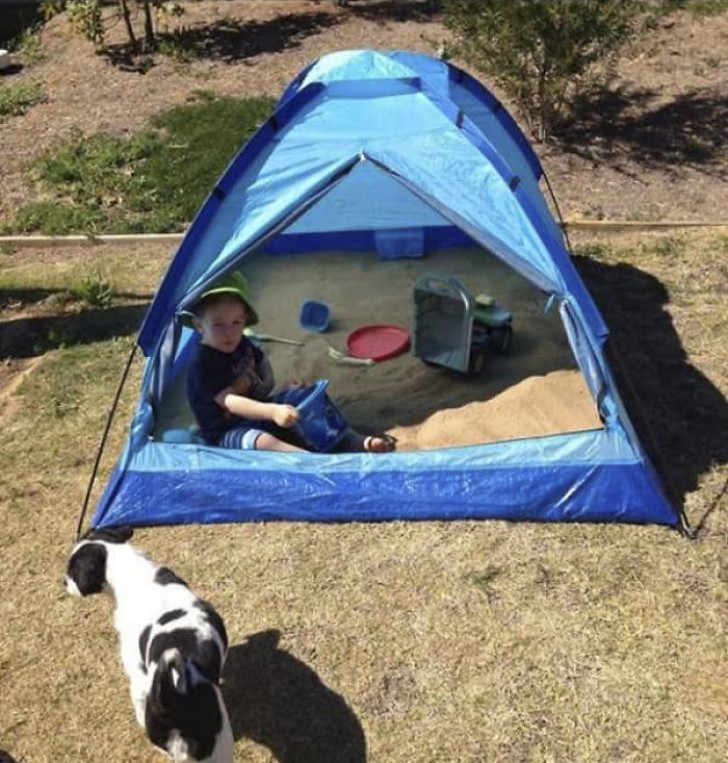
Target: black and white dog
(173, 645)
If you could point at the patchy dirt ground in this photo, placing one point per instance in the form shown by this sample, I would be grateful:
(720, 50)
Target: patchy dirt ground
(653, 147)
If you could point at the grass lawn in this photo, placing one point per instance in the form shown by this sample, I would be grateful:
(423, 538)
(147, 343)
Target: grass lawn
(152, 181)
(422, 642)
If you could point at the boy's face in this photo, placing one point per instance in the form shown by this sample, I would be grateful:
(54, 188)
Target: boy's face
(221, 324)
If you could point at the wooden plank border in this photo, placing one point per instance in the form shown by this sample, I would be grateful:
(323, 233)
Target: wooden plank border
(174, 238)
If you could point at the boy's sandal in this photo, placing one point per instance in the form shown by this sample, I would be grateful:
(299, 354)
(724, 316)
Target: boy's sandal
(389, 443)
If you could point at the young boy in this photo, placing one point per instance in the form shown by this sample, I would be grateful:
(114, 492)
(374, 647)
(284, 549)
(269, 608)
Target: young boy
(230, 381)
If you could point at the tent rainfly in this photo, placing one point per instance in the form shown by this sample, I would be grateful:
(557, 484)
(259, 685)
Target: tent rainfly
(360, 144)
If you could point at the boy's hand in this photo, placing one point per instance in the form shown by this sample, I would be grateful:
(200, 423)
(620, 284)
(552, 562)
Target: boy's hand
(285, 415)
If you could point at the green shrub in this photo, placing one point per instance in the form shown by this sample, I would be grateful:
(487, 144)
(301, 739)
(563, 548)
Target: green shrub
(87, 20)
(17, 98)
(93, 289)
(541, 51)
(28, 45)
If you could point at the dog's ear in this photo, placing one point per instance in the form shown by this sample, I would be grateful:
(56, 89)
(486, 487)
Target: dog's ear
(179, 674)
(120, 534)
(170, 677)
(86, 570)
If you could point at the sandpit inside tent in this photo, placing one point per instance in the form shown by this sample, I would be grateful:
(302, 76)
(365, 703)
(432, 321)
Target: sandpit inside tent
(534, 389)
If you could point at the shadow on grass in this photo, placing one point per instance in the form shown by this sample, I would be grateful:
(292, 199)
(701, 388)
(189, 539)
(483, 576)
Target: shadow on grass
(30, 336)
(680, 416)
(232, 40)
(27, 296)
(394, 10)
(6, 72)
(690, 130)
(36, 295)
(279, 702)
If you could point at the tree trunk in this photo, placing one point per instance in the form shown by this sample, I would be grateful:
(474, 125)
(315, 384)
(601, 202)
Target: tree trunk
(127, 23)
(150, 42)
(543, 106)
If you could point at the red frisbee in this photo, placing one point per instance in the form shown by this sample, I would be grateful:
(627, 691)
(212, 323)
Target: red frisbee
(377, 342)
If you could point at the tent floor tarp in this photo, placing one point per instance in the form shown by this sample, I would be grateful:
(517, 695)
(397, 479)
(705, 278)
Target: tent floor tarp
(535, 389)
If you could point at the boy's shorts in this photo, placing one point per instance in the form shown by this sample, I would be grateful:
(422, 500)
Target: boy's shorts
(241, 438)
(245, 437)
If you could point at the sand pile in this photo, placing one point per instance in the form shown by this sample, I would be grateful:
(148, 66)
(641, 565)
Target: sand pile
(540, 405)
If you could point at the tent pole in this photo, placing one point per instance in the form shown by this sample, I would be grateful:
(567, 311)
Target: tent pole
(100, 451)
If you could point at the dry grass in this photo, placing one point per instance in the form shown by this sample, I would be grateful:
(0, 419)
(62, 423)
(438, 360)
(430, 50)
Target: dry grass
(392, 642)
(414, 642)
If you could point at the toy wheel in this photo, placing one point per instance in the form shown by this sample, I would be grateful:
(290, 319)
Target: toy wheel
(476, 364)
(502, 338)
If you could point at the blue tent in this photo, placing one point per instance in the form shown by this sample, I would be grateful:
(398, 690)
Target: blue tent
(422, 142)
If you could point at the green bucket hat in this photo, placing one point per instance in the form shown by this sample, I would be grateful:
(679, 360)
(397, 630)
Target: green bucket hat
(235, 284)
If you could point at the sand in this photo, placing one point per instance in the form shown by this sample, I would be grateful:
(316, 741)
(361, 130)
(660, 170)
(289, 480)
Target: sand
(535, 389)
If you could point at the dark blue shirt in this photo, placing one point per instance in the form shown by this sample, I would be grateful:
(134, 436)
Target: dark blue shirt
(209, 373)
